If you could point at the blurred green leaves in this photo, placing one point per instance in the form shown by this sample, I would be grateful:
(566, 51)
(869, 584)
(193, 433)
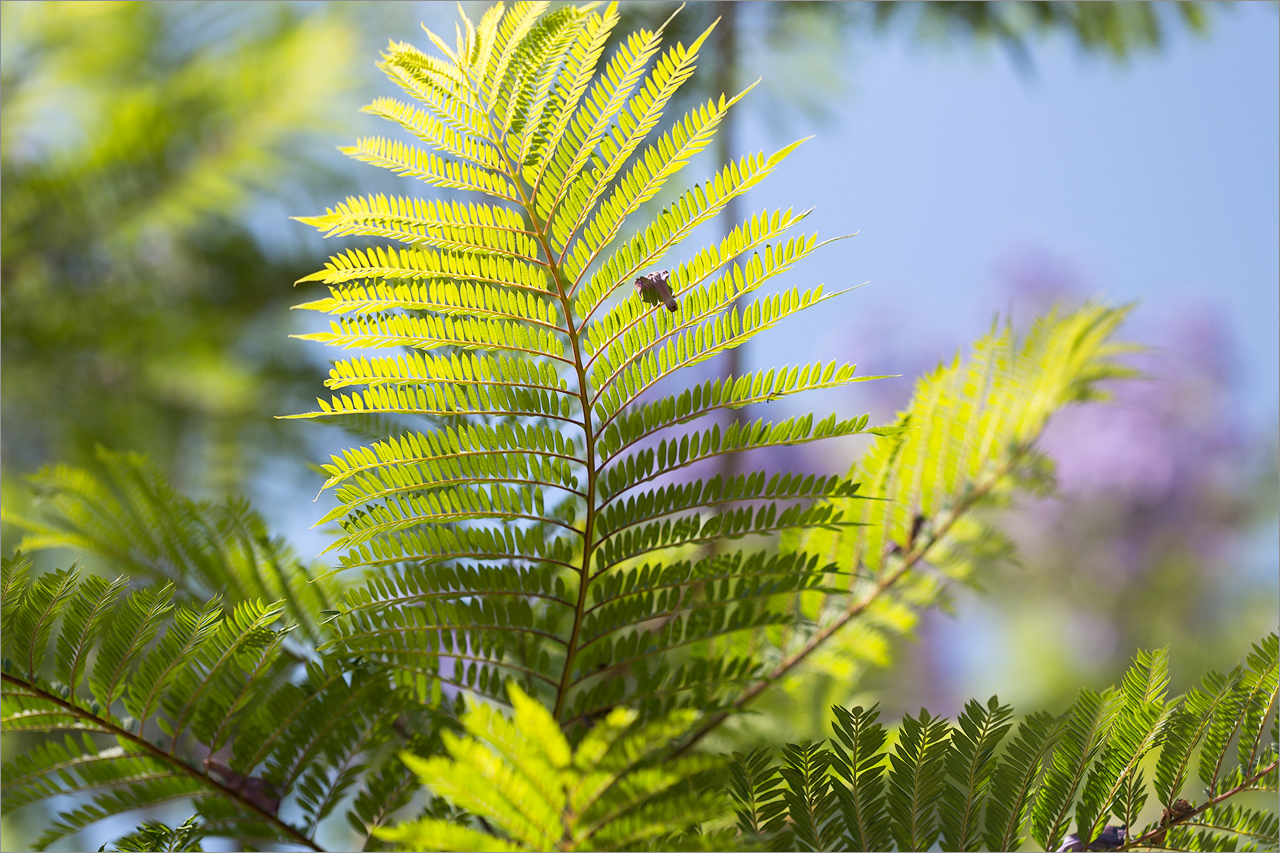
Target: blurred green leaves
(135, 136)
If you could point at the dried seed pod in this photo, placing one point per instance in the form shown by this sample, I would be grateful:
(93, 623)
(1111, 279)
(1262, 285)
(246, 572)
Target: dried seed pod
(655, 287)
(1179, 811)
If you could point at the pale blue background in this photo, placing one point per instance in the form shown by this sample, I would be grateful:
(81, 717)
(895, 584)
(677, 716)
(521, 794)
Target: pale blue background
(1158, 182)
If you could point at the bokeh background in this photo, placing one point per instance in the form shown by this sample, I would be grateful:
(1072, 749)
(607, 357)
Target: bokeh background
(992, 160)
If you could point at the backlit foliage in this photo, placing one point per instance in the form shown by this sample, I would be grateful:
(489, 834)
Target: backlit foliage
(554, 606)
(542, 524)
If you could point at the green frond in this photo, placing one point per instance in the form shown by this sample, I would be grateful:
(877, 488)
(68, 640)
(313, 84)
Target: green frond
(439, 85)
(134, 520)
(407, 265)
(171, 656)
(486, 529)
(755, 786)
(481, 228)
(811, 802)
(968, 430)
(1187, 727)
(468, 452)
(440, 402)
(460, 370)
(916, 780)
(181, 674)
(977, 787)
(1237, 706)
(445, 505)
(39, 604)
(134, 624)
(451, 126)
(858, 760)
(522, 777)
(1016, 776)
(440, 297)
(1087, 725)
(971, 761)
(1260, 681)
(429, 332)
(434, 544)
(384, 793)
(1116, 784)
(965, 443)
(82, 623)
(431, 169)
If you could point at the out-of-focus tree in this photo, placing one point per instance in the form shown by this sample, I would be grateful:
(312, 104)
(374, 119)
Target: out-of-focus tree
(137, 139)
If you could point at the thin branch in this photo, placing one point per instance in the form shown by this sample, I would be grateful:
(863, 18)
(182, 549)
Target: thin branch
(909, 561)
(1246, 785)
(171, 760)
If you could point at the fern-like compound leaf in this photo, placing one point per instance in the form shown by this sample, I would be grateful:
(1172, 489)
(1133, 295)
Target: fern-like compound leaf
(1085, 733)
(1013, 784)
(165, 675)
(1116, 784)
(858, 759)
(971, 761)
(131, 517)
(916, 780)
(755, 786)
(523, 778)
(545, 463)
(811, 802)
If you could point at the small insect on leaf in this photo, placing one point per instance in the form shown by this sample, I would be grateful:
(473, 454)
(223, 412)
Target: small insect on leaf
(654, 288)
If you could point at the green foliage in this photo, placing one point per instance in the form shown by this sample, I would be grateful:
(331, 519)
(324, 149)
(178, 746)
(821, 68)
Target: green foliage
(156, 836)
(1117, 30)
(529, 528)
(521, 777)
(963, 448)
(168, 680)
(136, 522)
(967, 780)
(536, 531)
(135, 137)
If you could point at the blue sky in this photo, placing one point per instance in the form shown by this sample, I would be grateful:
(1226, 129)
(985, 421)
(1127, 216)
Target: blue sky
(1157, 182)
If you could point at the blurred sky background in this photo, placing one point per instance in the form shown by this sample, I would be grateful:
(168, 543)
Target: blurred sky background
(981, 182)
